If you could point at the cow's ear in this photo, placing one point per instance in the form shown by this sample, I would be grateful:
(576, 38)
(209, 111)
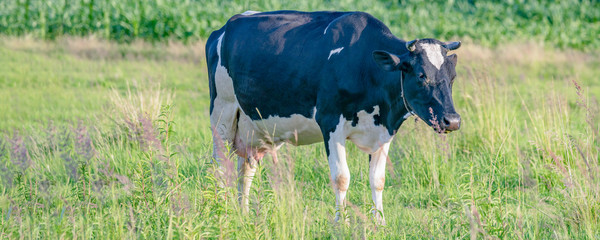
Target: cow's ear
(386, 61)
(453, 59)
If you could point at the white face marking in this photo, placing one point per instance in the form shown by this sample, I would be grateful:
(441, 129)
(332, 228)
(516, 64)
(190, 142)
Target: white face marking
(434, 54)
(335, 51)
(249, 12)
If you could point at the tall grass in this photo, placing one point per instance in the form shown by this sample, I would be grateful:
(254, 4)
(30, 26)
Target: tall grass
(565, 24)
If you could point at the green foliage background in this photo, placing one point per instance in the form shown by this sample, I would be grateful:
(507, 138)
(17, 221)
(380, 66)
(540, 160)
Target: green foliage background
(566, 23)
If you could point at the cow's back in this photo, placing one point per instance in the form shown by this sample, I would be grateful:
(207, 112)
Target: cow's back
(276, 60)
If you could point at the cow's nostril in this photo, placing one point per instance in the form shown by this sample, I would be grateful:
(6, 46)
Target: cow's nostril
(446, 122)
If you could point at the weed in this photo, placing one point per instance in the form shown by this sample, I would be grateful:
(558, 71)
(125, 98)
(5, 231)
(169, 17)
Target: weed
(19, 152)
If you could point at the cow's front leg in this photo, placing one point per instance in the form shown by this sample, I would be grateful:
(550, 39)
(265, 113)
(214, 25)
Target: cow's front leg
(246, 171)
(340, 174)
(377, 179)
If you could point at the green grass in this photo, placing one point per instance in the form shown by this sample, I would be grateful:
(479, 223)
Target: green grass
(565, 24)
(88, 139)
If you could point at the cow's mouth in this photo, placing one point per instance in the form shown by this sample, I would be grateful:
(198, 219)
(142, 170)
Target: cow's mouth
(447, 124)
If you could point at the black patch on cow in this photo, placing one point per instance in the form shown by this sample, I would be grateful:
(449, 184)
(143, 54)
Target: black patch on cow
(377, 119)
(368, 110)
(355, 119)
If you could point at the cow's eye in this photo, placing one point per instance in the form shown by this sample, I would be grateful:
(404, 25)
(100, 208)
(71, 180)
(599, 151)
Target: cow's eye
(422, 79)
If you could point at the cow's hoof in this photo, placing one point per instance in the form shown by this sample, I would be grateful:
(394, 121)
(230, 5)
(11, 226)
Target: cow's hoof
(342, 219)
(380, 222)
(379, 219)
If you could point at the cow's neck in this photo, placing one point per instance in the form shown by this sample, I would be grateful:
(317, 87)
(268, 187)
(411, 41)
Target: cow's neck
(397, 109)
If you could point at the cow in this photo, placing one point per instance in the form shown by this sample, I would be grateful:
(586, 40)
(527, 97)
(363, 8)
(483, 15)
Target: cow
(308, 77)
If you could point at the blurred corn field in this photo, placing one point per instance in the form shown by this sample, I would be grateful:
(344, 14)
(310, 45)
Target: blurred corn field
(564, 24)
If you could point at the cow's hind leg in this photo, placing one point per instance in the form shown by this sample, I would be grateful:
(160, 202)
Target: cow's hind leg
(223, 121)
(246, 171)
(377, 180)
(248, 157)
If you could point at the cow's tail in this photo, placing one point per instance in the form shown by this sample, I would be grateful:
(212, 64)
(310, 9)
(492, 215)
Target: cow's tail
(212, 59)
(224, 112)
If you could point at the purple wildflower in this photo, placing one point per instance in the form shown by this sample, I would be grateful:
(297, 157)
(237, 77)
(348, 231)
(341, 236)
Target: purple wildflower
(19, 153)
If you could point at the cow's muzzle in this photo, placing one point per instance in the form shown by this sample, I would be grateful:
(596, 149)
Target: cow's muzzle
(451, 122)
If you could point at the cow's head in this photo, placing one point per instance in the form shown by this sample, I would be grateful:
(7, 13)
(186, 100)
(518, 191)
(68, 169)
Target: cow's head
(428, 73)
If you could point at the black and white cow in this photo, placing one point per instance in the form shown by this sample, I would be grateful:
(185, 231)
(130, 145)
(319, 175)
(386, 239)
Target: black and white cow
(308, 77)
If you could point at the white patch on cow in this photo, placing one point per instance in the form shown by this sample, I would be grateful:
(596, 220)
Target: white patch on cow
(219, 42)
(250, 12)
(338, 167)
(377, 180)
(434, 54)
(335, 51)
(225, 104)
(296, 130)
(246, 171)
(274, 130)
(408, 114)
(369, 137)
(366, 135)
(337, 142)
(223, 81)
(325, 32)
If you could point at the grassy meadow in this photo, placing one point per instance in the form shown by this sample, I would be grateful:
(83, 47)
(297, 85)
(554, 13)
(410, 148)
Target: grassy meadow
(105, 140)
(102, 140)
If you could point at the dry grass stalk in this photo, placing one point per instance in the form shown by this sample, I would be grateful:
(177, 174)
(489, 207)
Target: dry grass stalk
(136, 112)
